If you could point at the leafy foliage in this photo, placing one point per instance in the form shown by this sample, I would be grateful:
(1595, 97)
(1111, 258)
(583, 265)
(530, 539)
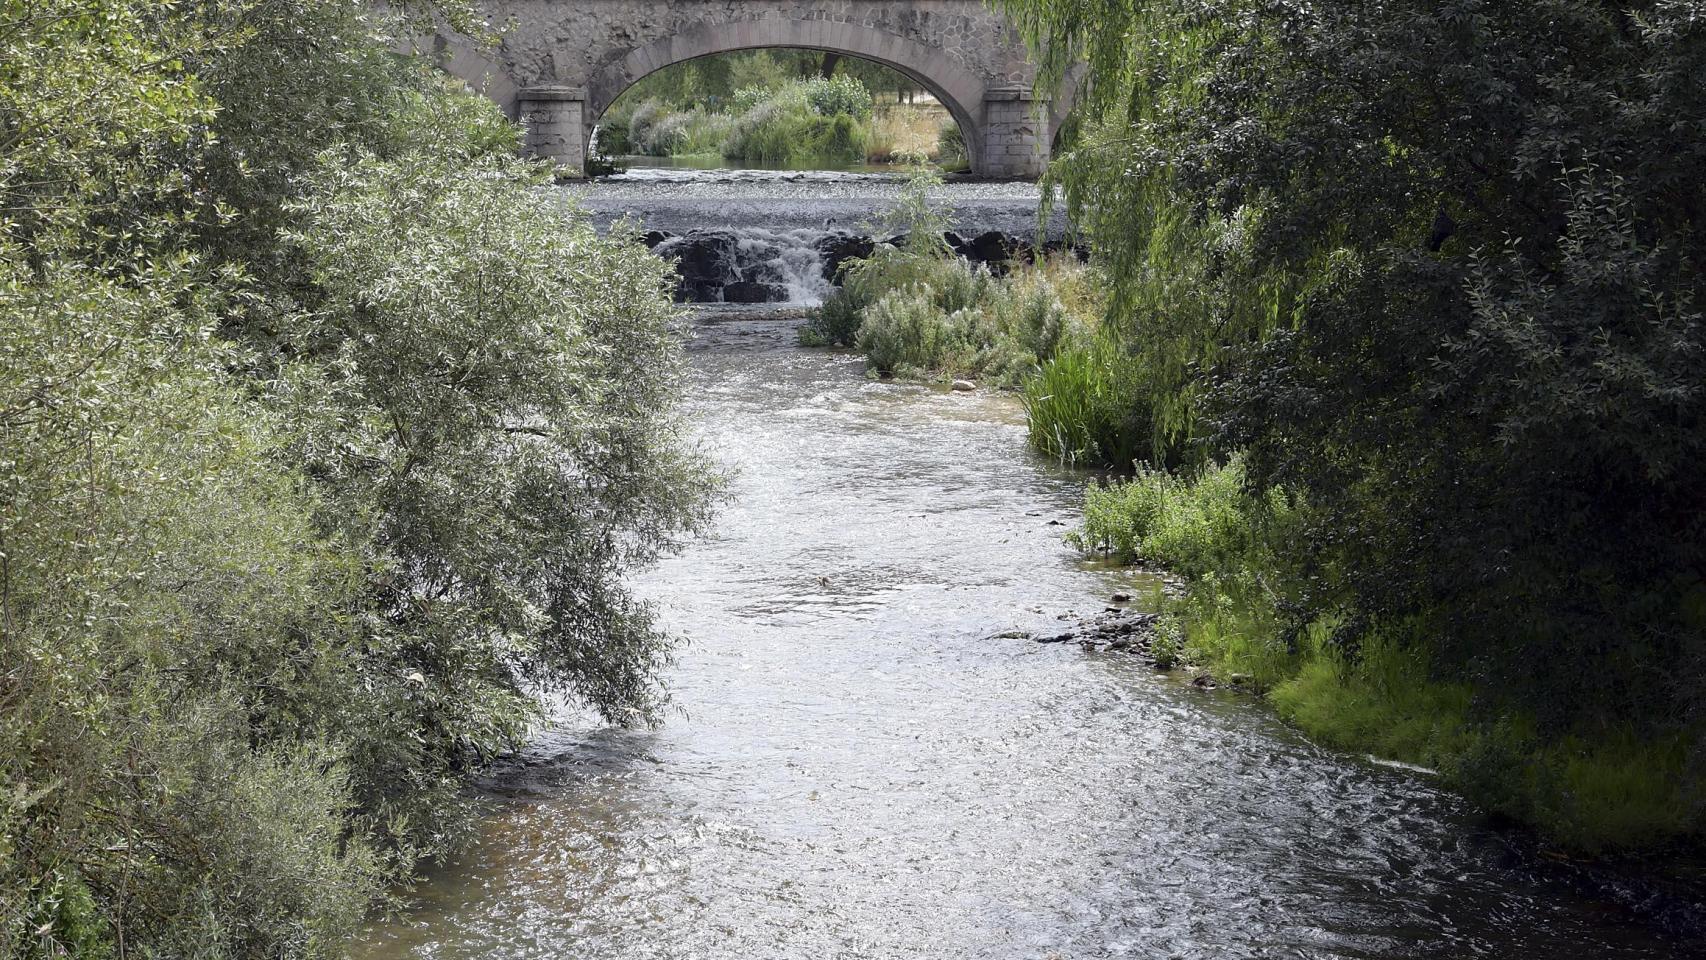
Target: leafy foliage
(840, 94)
(1436, 269)
(1085, 406)
(758, 107)
(323, 448)
(917, 310)
(790, 126)
(506, 372)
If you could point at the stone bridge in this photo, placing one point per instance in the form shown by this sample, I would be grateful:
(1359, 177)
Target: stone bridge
(562, 63)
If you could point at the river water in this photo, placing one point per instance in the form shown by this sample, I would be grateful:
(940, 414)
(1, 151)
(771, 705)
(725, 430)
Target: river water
(856, 766)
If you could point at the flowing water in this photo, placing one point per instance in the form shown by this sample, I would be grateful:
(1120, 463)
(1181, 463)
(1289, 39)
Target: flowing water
(857, 766)
(681, 200)
(754, 236)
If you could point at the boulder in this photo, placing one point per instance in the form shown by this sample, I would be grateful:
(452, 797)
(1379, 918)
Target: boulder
(752, 291)
(839, 247)
(992, 247)
(706, 262)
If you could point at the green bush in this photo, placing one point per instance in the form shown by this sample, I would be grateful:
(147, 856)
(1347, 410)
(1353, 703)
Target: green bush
(785, 130)
(951, 147)
(835, 323)
(840, 94)
(748, 97)
(303, 406)
(1088, 406)
(945, 331)
(1377, 690)
(614, 138)
(919, 311)
(641, 122)
(1199, 526)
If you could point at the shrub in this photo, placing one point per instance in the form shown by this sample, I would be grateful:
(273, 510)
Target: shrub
(918, 310)
(613, 138)
(177, 644)
(1200, 526)
(290, 548)
(666, 136)
(1489, 395)
(951, 150)
(746, 98)
(641, 121)
(788, 128)
(836, 322)
(840, 94)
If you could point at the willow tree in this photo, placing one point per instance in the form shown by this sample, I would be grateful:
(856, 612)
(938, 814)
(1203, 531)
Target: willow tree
(1438, 269)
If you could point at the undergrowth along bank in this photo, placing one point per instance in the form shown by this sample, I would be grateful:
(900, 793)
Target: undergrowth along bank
(1608, 791)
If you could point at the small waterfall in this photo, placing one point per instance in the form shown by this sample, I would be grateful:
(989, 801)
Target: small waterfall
(757, 265)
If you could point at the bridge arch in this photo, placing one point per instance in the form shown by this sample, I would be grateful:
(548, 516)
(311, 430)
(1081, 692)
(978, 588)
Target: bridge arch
(559, 66)
(959, 90)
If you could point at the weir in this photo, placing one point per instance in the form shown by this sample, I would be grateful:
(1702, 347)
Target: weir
(560, 65)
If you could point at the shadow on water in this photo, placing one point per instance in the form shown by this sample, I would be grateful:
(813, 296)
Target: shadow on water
(856, 769)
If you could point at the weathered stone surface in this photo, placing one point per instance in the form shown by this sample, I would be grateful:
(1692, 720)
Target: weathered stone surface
(838, 248)
(992, 247)
(752, 291)
(561, 65)
(705, 260)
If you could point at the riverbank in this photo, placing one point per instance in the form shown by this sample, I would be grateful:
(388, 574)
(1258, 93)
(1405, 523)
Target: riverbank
(1669, 893)
(1608, 792)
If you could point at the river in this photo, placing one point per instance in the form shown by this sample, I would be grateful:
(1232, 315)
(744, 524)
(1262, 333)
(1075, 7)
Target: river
(857, 766)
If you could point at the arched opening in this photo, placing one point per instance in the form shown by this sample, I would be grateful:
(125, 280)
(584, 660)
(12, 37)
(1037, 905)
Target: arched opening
(958, 91)
(780, 108)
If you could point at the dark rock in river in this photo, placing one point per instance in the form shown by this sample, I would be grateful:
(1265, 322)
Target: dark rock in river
(1117, 629)
(707, 262)
(761, 279)
(992, 248)
(759, 266)
(838, 248)
(750, 291)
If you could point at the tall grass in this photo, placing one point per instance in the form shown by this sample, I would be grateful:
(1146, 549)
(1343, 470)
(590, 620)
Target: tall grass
(951, 150)
(900, 131)
(1084, 407)
(785, 131)
(793, 123)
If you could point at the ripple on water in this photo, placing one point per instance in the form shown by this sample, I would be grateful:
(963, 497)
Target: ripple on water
(854, 771)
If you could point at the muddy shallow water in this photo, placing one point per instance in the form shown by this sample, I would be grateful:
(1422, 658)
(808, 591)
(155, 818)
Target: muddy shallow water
(855, 769)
